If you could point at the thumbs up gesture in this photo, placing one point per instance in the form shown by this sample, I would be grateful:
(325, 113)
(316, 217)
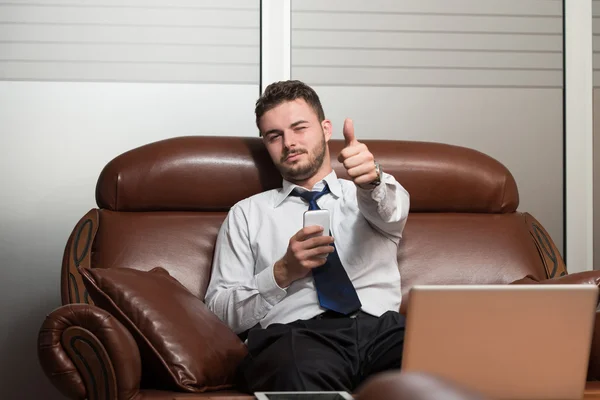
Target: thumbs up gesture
(357, 159)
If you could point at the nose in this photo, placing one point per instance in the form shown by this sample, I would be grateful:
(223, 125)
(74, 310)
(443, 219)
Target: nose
(289, 140)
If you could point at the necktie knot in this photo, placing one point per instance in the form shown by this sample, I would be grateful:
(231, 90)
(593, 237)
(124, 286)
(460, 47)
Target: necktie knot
(310, 197)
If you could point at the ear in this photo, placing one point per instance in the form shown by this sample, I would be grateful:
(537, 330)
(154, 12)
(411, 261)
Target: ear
(327, 129)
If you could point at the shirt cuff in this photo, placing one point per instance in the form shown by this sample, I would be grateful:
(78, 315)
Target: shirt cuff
(268, 287)
(376, 193)
(379, 191)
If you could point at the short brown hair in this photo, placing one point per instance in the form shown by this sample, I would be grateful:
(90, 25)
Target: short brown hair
(279, 92)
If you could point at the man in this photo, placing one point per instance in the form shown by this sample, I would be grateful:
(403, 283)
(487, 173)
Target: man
(320, 311)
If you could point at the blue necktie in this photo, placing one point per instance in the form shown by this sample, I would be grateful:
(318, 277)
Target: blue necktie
(334, 288)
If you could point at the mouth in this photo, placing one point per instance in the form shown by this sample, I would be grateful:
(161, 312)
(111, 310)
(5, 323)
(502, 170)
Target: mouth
(293, 157)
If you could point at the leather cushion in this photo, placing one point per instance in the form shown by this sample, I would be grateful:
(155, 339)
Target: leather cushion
(171, 175)
(180, 242)
(182, 344)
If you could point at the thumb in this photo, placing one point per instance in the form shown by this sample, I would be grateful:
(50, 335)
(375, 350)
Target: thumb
(349, 132)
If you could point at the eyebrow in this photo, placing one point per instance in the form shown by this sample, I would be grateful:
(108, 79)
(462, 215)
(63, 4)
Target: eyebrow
(295, 124)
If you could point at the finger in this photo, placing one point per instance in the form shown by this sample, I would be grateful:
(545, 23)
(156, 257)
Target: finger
(314, 262)
(365, 179)
(318, 241)
(363, 169)
(348, 152)
(303, 233)
(349, 132)
(316, 253)
(359, 159)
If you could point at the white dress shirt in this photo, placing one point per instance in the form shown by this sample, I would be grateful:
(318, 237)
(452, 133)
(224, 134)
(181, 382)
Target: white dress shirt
(366, 225)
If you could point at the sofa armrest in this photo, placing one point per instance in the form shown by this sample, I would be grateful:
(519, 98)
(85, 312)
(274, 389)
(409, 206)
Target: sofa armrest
(554, 265)
(586, 277)
(88, 354)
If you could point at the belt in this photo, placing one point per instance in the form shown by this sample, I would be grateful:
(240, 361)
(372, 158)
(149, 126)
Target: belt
(326, 315)
(335, 315)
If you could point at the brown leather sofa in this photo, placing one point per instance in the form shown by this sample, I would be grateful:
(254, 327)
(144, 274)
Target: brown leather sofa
(161, 205)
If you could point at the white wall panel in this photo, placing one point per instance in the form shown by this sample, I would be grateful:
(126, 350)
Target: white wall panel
(394, 22)
(427, 40)
(158, 4)
(596, 108)
(116, 35)
(546, 8)
(314, 57)
(132, 41)
(468, 43)
(596, 60)
(431, 76)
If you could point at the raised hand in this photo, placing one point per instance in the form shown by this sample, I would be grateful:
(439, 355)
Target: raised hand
(357, 159)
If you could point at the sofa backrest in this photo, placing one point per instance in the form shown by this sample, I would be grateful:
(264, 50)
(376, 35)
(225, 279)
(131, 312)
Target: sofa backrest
(162, 205)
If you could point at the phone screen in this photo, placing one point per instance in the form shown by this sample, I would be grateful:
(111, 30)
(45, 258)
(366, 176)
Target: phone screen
(305, 396)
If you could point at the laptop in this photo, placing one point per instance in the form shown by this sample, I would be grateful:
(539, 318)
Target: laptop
(503, 341)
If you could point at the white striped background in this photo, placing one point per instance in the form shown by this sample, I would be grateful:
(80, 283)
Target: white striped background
(211, 41)
(456, 43)
(596, 40)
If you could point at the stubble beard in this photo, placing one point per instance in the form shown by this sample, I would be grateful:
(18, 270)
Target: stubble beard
(303, 170)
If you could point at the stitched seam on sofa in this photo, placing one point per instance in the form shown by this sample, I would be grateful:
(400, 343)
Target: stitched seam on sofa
(87, 366)
(546, 248)
(73, 284)
(88, 241)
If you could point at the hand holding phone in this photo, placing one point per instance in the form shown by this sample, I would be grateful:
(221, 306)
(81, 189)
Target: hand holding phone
(307, 249)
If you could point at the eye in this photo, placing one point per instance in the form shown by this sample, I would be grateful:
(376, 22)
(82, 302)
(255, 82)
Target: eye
(273, 137)
(300, 128)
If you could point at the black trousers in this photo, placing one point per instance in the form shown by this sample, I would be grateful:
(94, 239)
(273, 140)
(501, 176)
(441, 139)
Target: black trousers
(326, 353)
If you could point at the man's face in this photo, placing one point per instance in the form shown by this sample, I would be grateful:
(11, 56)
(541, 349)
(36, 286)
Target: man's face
(295, 139)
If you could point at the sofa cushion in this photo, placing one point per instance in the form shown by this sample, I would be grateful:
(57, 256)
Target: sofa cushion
(183, 345)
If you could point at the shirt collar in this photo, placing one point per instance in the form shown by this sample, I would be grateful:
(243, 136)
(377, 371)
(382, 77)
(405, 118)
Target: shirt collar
(331, 179)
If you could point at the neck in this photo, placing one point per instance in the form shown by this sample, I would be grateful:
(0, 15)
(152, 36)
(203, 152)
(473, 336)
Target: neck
(318, 177)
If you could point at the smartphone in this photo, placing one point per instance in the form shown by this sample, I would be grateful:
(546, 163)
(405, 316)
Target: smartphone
(317, 217)
(303, 396)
